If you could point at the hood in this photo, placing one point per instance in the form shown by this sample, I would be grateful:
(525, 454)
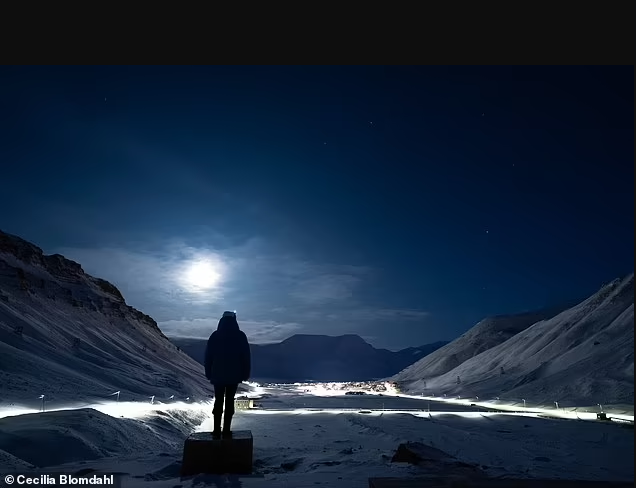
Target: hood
(228, 324)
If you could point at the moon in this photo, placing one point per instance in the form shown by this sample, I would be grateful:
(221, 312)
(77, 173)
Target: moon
(202, 275)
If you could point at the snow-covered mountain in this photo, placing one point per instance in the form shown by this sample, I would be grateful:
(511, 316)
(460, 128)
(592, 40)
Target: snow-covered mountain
(314, 357)
(583, 355)
(486, 334)
(69, 336)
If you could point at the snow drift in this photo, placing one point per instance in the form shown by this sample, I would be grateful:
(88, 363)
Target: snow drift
(34, 440)
(582, 356)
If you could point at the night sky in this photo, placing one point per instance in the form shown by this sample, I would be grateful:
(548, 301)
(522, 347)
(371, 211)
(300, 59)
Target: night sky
(403, 204)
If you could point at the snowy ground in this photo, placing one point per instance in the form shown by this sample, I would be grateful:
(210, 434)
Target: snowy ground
(303, 439)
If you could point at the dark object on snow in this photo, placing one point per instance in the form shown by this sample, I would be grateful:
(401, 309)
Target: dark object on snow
(601, 416)
(415, 452)
(202, 453)
(292, 464)
(434, 460)
(440, 469)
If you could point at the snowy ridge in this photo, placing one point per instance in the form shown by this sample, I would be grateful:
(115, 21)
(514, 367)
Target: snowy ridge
(486, 334)
(584, 356)
(68, 335)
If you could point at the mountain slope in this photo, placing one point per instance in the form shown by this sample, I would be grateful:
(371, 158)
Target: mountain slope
(320, 358)
(584, 355)
(66, 334)
(486, 334)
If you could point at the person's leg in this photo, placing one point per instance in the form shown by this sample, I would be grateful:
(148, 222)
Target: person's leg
(219, 394)
(230, 392)
(217, 411)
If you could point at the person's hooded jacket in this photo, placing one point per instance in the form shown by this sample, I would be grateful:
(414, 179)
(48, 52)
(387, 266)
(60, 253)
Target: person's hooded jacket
(227, 355)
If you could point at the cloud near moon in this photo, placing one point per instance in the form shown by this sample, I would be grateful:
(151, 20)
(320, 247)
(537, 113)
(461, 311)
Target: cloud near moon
(202, 275)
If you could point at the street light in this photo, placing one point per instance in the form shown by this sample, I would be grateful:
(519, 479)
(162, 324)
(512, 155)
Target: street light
(600, 406)
(524, 402)
(557, 405)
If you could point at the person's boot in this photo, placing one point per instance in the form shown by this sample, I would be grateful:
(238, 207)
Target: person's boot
(227, 421)
(216, 433)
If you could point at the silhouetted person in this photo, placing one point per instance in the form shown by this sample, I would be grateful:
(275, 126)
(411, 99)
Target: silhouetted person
(227, 363)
